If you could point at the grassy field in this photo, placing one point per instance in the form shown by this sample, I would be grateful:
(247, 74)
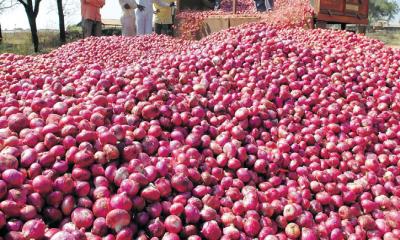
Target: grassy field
(20, 42)
(390, 38)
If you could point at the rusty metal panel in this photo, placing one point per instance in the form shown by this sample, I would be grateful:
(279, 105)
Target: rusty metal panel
(363, 11)
(331, 5)
(352, 7)
(342, 19)
(341, 11)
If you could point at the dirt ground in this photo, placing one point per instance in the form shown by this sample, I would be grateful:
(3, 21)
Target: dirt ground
(394, 46)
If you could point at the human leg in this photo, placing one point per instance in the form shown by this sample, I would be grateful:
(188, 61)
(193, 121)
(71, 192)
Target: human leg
(128, 25)
(158, 28)
(97, 29)
(170, 30)
(268, 4)
(87, 26)
(140, 22)
(149, 22)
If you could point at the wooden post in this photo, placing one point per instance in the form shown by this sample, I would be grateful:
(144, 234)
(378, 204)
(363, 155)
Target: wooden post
(234, 6)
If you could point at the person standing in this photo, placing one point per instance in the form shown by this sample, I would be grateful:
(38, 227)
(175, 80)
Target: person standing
(144, 19)
(91, 18)
(163, 18)
(269, 5)
(217, 4)
(260, 5)
(128, 21)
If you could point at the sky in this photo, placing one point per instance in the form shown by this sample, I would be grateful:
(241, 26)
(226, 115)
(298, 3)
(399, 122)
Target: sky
(48, 19)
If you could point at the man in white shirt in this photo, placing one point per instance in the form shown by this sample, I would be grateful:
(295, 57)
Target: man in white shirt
(128, 16)
(144, 19)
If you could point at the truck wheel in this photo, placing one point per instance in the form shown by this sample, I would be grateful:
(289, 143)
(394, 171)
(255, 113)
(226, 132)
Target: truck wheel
(362, 29)
(320, 24)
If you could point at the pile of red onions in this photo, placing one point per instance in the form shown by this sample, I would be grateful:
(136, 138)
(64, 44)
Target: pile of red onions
(285, 13)
(254, 132)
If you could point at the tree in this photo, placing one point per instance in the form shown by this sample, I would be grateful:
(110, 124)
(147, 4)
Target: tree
(383, 9)
(32, 11)
(61, 21)
(64, 9)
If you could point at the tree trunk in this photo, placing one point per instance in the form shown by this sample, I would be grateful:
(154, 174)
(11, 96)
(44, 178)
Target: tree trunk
(1, 35)
(34, 32)
(61, 22)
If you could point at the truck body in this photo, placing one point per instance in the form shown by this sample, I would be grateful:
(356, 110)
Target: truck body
(341, 11)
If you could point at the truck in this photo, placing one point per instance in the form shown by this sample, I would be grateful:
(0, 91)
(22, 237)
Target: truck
(339, 12)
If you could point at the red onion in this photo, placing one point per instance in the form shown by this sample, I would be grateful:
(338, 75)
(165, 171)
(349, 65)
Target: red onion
(117, 219)
(13, 177)
(210, 230)
(42, 184)
(17, 122)
(99, 227)
(156, 228)
(34, 229)
(62, 235)
(121, 201)
(173, 224)
(151, 193)
(292, 230)
(8, 162)
(82, 218)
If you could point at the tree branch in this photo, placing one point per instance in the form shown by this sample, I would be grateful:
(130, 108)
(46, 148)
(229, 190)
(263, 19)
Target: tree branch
(23, 3)
(4, 5)
(36, 9)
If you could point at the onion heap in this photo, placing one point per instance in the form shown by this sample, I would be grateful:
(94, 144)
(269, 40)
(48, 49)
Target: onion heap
(261, 131)
(287, 13)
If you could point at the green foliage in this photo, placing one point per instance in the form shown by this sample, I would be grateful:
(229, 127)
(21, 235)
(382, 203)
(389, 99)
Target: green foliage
(111, 31)
(73, 33)
(389, 38)
(383, 9)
